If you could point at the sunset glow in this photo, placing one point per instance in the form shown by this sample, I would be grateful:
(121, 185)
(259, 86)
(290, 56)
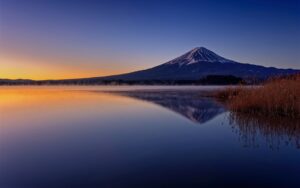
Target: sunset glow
(43, 68)
(60, 39)
(149, 93)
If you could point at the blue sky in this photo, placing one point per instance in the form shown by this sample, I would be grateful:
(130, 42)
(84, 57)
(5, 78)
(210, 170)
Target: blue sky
(104, 37)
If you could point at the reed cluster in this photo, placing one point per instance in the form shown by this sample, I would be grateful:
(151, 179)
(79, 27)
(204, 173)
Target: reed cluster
(276, 97)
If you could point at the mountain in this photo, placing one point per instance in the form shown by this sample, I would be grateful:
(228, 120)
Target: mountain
(198, 66)
(198, 63)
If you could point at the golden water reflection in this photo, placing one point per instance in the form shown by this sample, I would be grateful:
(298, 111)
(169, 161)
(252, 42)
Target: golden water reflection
(26, 104)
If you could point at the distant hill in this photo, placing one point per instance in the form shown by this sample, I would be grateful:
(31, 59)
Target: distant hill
(199, 66)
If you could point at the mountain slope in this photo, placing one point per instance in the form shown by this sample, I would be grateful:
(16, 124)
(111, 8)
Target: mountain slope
(189, 67)
(198, 63)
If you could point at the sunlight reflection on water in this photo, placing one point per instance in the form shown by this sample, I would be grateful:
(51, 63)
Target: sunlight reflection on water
(132, 137)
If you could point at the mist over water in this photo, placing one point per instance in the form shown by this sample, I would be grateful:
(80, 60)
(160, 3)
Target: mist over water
(139, 137)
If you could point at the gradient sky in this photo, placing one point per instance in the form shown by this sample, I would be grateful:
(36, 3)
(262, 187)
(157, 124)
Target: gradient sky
(54, 39)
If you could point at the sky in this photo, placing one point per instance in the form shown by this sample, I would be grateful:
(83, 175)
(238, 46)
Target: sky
(59, 39)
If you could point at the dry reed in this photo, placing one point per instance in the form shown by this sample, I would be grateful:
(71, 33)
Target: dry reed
(277, 97)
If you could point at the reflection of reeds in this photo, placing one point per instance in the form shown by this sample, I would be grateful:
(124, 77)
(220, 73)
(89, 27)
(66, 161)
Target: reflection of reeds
(276, 131)
(277, 97)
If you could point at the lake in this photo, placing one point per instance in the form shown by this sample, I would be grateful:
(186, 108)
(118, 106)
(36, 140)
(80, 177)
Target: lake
(141, 136)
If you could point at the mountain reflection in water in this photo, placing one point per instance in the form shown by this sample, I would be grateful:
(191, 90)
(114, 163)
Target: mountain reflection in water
(252, 130)
(186, 103)
(52, 137)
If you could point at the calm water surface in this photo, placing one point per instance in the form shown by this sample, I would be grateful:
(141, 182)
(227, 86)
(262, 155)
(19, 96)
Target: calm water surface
(139, 137)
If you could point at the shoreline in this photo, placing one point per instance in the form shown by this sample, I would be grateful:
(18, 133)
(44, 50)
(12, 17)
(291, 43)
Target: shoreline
(275, 98)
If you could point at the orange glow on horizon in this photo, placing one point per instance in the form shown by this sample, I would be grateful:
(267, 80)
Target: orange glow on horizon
(49, 68)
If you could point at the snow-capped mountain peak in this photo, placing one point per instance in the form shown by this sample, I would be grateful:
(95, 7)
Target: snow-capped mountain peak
(199, 63)
(198, 55)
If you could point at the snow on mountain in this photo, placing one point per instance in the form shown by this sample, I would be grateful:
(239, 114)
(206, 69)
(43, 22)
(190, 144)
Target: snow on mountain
(198, 63)
(197, 55)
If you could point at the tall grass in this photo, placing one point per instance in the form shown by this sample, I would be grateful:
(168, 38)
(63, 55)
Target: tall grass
(277, 97)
